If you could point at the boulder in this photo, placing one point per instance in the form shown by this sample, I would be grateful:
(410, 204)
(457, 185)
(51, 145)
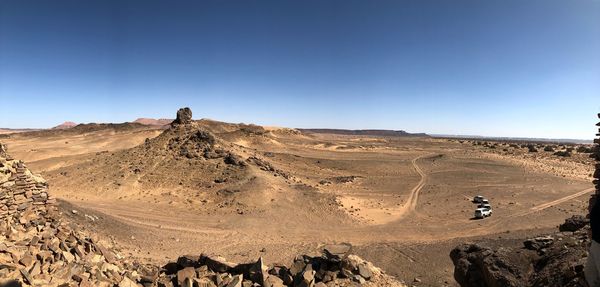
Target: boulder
(188, 261)
(236, 281)
(273, 281)
(187, 273)
(477, 266)
(233, 159)
(217, 263)
(258, 272)
(337, 251)
(574, 223)
(538, 243)
(364, 271)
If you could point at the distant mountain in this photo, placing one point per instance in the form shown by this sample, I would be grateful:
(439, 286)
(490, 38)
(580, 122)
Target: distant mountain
(384, 133)
(64, 126)
(519, 139)
(153, 122)
(12, 131)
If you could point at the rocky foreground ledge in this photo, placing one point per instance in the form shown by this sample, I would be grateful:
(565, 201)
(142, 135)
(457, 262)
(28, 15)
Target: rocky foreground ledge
(556, 259)
(38, 247)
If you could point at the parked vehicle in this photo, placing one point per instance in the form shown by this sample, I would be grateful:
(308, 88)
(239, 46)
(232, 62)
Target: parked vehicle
(485, 201)
(482, 212)
(478, 199)
(484, 205)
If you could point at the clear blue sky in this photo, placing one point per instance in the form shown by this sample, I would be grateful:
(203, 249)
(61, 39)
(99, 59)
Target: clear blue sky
(497, 68)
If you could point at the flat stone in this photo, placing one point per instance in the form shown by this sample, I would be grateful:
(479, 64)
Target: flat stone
(364, 271)
(273, 281)
(236, 281)
(126, 282)
(337, 251)
(185, 273)
(217, 263)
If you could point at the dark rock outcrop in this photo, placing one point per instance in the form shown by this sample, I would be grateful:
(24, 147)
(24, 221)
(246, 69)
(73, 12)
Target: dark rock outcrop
(574, 223)
(184, 116)
(479, 266)
(554, 260)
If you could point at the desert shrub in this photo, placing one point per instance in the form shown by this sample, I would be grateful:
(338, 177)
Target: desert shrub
(531, 148)
(562, 153)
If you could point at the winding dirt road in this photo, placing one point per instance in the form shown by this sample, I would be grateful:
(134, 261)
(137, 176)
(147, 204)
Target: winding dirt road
(411, 203)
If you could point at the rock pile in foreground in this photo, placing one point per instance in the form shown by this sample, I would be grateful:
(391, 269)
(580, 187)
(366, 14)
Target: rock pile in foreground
(327, 270)
(552, 260)
(40, 248)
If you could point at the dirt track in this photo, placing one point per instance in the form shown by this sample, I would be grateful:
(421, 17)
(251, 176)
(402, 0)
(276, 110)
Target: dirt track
(411, 202)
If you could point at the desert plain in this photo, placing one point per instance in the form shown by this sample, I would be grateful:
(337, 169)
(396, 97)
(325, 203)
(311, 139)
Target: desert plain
(244, 191)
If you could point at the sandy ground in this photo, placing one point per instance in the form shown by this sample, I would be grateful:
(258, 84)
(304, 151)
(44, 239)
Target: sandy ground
(402, 202)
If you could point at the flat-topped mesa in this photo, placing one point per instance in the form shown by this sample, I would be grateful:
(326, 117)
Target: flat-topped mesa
(184, 116)
(22, 194)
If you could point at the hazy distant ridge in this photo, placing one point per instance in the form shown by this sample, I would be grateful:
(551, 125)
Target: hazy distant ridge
(387, 133)
(577, 141)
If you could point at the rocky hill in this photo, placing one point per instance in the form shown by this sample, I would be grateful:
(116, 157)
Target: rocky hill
(81, 129)
(39, 247)
(187, 162)
(65, 125)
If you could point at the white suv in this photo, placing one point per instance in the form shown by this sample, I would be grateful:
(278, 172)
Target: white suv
(483, 212)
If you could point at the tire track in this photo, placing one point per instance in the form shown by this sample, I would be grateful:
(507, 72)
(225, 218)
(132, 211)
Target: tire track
(543, 206)
(411, 203)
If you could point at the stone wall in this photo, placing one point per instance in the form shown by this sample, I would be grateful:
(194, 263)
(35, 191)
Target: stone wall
(20, 190)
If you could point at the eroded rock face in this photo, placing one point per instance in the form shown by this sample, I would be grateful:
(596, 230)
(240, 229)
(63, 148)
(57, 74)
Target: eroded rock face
(184, 116)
